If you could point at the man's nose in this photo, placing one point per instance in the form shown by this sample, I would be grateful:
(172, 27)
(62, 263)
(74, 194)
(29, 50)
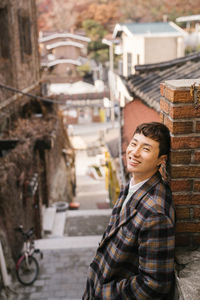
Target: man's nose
(136, 151)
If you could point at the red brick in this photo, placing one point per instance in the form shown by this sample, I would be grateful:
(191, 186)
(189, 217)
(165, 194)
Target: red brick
(186, 111)
(197, 186)
(195, 198)
(162, 89)
(185, 142)
(179, 127)
(198, 126)
(164, 106)
(177, 96)
(185, 171)
(187, 226)
(196, 158)
(181, 199)
(196, 212)
(182, 212)
(162, 117)
(186, 199)
(180, 157)
(181, 185)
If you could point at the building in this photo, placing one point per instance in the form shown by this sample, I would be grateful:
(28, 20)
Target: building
(146, 43)
(61, 53)
(34, 147)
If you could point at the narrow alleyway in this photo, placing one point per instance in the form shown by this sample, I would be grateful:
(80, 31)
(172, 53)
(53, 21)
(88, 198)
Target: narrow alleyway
(70, 247)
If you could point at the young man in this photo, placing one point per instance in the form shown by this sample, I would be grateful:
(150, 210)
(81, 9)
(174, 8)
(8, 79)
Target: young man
(135, 259)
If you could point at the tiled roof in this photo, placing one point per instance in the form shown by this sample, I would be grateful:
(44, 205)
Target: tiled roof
(145, 83)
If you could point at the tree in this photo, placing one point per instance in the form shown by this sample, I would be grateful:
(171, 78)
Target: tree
(97, 50)
(106, 13)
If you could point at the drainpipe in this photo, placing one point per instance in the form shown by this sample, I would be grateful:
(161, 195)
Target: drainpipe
(122, 176)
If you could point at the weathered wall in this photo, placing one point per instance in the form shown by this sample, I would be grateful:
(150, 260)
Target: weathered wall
(42, 153)
(33, 126)
(60, 166)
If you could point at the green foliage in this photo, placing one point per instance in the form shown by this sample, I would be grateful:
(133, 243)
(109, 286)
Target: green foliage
(190, 50)
(101, 55)
(84, 69)
(96, 49)
(93, 29)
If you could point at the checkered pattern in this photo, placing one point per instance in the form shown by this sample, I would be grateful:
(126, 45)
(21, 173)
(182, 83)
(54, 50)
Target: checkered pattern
(135, 259)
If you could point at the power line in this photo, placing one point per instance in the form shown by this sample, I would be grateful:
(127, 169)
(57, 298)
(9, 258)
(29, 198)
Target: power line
(12, 89)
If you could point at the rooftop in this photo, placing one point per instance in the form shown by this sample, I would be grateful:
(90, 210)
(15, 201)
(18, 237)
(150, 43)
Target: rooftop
(145, 83)
(154, 28)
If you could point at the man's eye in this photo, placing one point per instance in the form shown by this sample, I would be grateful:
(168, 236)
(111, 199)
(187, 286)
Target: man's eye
(146, 149)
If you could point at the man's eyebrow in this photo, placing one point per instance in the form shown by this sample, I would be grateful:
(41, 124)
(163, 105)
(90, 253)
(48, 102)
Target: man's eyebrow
(145, 144)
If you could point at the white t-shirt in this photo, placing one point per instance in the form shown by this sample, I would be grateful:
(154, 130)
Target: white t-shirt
(132, 189)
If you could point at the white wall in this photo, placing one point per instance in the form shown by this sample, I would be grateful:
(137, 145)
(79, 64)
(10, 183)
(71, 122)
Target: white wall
(150, 49)
(134, 45)
(159, 49)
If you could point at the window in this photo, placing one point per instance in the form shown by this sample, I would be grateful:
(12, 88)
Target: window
(4, 36)
(25, 35)
(129, 64)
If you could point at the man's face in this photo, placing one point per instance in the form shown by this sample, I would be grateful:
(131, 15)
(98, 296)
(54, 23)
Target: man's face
(142, 157)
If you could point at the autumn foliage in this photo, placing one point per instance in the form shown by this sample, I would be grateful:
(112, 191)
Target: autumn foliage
(69, 14)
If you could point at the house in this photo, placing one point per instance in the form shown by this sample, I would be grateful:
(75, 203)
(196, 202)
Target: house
(62, 52)
(146, 43)
(139, 94)
(60, 39)
(36, 158)
(82, 102)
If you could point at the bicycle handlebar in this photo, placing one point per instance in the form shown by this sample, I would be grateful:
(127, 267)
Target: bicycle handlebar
(25, 234)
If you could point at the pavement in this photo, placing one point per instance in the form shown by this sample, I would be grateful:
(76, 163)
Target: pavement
(69, 249)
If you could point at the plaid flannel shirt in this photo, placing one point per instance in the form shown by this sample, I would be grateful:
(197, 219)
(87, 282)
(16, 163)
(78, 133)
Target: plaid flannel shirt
(135, 259)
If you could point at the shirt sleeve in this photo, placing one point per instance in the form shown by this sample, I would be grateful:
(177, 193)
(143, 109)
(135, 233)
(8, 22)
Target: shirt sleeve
(156, 244)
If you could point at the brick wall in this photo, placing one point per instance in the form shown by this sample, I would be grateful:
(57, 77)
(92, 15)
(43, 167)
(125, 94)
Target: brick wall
(180, 112)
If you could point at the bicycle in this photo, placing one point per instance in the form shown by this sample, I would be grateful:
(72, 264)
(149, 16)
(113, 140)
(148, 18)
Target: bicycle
(27, 267)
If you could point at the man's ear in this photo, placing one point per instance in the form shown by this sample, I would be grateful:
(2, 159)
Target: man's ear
(162, 159)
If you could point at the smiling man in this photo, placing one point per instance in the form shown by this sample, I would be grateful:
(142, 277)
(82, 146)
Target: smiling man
(135, 259)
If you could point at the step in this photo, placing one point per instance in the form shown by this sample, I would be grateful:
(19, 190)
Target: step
(48, 219)
(69, 242)
(89, 212)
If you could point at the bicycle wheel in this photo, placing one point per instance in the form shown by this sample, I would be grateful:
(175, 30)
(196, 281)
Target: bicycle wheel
(27, 270)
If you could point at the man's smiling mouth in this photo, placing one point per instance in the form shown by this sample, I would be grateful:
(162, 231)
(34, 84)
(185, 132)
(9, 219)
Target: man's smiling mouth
(133, 161)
